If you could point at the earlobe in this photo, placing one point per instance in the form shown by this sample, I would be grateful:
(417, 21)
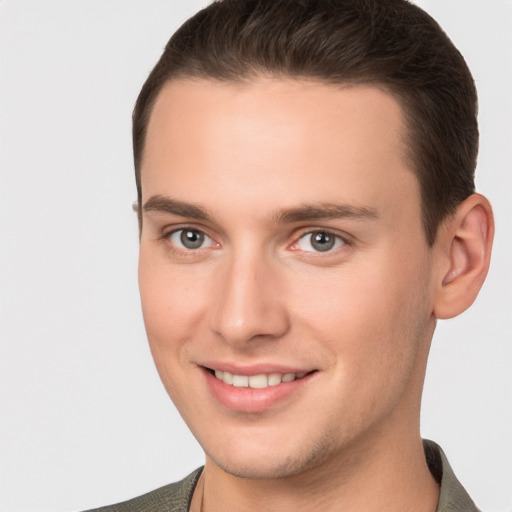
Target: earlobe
(466, 244)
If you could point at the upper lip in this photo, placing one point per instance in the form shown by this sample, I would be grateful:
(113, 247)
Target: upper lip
(255, 369)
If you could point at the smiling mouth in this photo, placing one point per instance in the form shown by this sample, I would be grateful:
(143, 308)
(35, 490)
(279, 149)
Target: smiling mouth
(261, 381)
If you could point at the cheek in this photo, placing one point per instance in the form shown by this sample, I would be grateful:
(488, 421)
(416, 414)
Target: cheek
(171, 307)
(171, 298)
(371, 318)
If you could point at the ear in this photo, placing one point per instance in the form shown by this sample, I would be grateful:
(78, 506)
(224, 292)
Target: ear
(464, 248)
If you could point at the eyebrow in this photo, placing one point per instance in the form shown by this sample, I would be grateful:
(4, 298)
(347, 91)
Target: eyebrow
(163, 204)
(303, 213)
(324, 211)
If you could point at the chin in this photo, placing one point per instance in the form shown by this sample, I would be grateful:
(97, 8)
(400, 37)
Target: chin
(259, 464)
(260, 469)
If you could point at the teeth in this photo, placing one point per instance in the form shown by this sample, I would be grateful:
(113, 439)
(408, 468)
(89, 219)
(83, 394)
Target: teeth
(226, 377)
(240, 381)
(257, 381)
(274, 379)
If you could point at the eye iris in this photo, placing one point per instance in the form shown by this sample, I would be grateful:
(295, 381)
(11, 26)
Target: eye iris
(191, 239)
(322, 241)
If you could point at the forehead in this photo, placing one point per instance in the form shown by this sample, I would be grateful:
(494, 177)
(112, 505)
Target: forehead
(280, 139)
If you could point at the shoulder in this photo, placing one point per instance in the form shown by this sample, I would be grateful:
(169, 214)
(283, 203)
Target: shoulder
(174, 497)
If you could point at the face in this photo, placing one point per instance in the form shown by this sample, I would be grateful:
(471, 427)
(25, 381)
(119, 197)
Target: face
(284, 273)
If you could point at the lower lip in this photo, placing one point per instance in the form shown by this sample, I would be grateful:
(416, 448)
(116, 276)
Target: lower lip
(251, 400)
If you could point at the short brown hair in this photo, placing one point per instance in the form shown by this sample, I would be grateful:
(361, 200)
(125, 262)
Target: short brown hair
(393, 45)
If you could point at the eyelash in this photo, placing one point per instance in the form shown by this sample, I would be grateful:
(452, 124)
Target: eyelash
(341, 241)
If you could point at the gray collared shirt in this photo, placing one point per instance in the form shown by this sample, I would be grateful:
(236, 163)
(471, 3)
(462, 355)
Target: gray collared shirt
(453, 497)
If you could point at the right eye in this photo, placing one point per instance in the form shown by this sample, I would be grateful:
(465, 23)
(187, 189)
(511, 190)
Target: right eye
(190, 239)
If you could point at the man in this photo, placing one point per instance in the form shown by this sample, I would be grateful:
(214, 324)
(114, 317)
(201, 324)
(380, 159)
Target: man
(307, 212)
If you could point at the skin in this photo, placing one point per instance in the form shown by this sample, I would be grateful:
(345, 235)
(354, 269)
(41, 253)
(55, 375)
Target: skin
(359, 317)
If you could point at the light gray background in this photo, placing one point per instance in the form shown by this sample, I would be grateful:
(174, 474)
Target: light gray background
(84, 418)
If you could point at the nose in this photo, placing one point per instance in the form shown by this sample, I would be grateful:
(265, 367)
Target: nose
(250, 302)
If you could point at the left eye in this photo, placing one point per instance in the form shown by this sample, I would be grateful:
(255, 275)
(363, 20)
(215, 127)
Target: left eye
(319, 241)
(190, 239)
